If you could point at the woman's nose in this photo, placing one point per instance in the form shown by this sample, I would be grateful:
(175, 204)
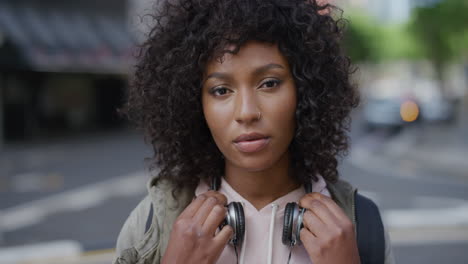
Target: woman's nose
(247, 109)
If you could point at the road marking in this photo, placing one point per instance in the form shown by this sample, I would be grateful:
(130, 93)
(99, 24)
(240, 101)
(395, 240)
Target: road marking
(366, 160)
(422, 225)
(422, 218)
(36, 182)
(48, 250)
(428, 236)
(405, 226)
(375, 155)
(30, 213)
(431, 219)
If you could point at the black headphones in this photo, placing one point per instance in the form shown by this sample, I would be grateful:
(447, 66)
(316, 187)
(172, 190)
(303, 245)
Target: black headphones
(234, 216)
(292, 225)
(293, 215)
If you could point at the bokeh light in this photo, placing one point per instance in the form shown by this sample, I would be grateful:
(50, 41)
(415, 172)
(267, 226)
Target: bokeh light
(409, 111)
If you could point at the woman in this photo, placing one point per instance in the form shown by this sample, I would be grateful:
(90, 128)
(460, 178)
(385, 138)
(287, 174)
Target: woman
(244, 102)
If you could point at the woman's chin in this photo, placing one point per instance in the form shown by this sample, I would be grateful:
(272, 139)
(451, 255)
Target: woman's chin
(254, 165)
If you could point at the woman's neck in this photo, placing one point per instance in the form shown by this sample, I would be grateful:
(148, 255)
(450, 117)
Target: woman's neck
(262, 187)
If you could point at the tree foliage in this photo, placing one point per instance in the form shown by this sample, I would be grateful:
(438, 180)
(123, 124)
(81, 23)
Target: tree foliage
(442, 30)
(438, 32)
(361, 38)
(369, 40)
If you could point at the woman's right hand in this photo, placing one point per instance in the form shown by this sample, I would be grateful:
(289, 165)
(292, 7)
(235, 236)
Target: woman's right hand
(193, 238)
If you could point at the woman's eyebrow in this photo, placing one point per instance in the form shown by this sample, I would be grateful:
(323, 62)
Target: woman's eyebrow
(259, 70)
(267, 67)
(217, 75)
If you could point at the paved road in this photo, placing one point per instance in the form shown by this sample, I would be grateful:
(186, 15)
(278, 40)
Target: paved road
(45, 175)
(105, 173)
(29, 172)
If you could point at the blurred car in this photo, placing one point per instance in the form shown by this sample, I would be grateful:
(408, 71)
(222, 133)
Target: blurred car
(436, 105)
(438, 109)
(390, 112)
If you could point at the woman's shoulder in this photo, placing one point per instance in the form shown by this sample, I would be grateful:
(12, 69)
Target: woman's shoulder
(343, 193)
(133, 229)
(145, 220)
(341, 187)
(143, 216)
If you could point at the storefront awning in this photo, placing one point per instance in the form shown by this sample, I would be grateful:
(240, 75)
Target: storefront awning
(63, 40)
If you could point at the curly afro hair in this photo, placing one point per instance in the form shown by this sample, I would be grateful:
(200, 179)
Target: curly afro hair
(164, 99)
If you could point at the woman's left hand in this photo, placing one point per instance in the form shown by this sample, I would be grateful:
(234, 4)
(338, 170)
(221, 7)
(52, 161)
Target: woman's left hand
(328, 234)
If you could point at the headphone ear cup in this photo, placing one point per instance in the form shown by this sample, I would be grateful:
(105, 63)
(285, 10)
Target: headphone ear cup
(288, 223)
(240, 221)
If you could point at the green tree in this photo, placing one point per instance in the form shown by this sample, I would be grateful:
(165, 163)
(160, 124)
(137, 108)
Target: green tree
(442, 32)
(361, 38)
(367, 40)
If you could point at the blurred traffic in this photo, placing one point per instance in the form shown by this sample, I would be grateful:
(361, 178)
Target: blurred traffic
(71, 169)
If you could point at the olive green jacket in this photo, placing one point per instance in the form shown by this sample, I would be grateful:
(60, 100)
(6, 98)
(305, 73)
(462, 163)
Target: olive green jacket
(135, 246)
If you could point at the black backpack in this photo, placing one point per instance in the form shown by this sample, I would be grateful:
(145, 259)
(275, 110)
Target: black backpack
(370, 232)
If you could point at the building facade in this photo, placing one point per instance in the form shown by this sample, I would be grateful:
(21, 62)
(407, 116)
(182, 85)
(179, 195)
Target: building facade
(63, 66)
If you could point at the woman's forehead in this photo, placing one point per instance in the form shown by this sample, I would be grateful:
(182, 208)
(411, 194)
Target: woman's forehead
(252, 54)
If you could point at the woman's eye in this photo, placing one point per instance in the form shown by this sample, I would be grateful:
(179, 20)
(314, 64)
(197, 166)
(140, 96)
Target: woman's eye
(219, 91)
(271, 83)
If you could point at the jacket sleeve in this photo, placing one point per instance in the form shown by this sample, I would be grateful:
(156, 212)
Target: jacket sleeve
(132, 231)
(389, 257)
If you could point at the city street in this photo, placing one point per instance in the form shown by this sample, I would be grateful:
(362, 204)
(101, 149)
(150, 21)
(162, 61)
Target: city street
(74, 74)
(74, 194)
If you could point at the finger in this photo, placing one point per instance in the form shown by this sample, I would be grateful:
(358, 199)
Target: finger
(319, 208)
(193, 207)
(342, 220)
(219, 196)
(222, 238)
(204, 210)
(324, 213)
(333, 207)
(309, 241)
(327, 201)
(214, 219)
(306, 199)
(313, 223)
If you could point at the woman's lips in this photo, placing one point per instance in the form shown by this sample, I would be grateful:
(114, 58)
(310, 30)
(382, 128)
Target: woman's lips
(252, 145)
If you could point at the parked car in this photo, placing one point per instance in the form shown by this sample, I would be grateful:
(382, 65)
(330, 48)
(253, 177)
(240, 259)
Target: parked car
(438, 109)
(390, 112)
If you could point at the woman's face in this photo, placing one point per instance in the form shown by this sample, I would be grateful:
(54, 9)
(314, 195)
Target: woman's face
(251, 91)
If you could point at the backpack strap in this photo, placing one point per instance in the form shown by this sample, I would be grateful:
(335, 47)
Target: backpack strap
(370, 231)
